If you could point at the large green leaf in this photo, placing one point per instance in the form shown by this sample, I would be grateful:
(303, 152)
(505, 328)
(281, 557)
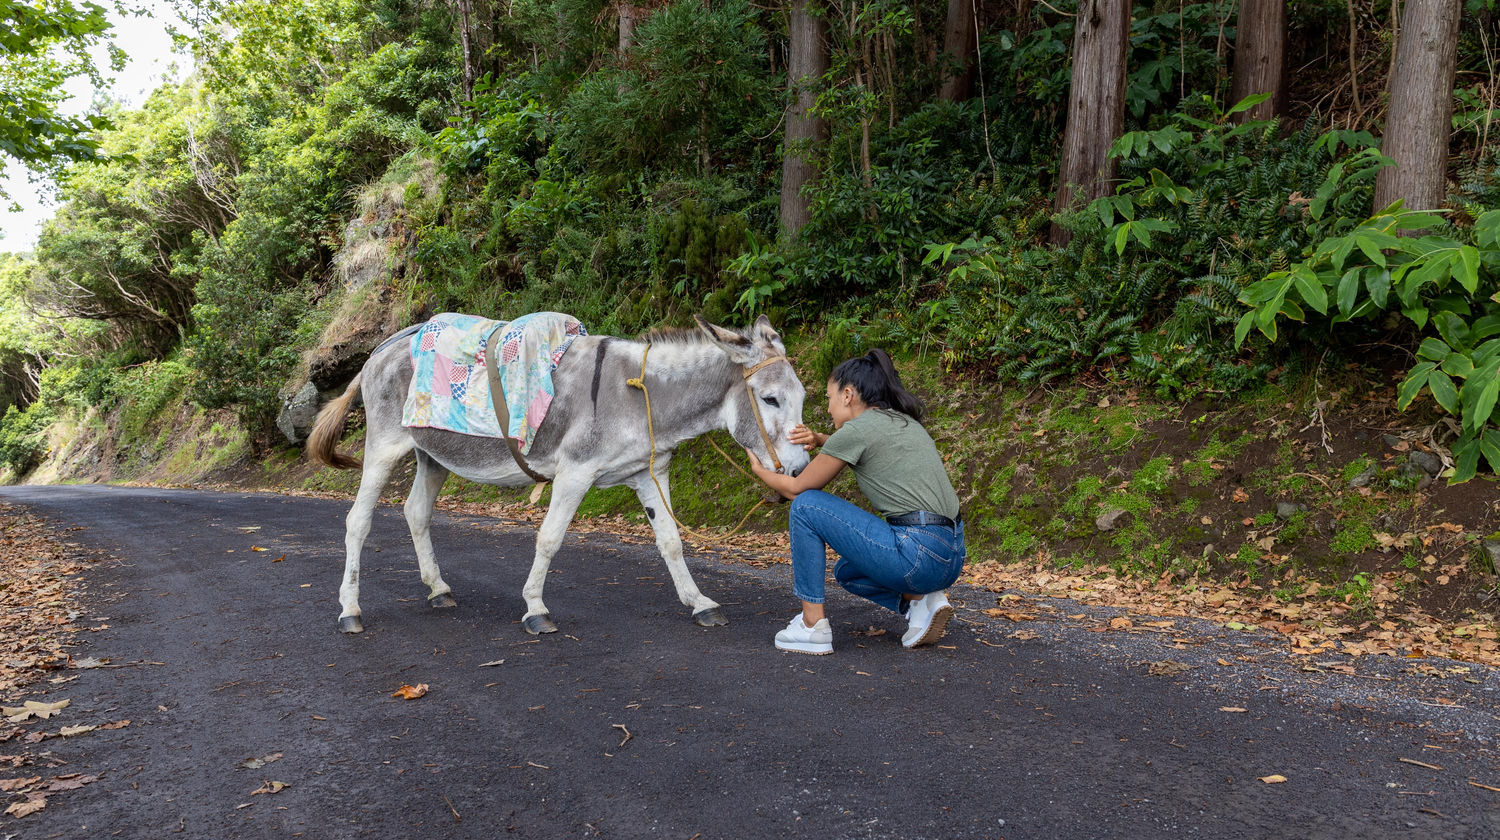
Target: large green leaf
(1469, 275)
(1459, 365)
(1371, 250)
(1378, 282)
(1453, 329)
(1348, 290)
(1242, 329)
(1412, 385)
(1465, 459)
(1484, 385)
(1434, 349)
(1311, 288)
(1443, 390)
(1490, 445)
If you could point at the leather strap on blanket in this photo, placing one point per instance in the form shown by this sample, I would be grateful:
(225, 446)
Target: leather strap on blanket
(497, 396)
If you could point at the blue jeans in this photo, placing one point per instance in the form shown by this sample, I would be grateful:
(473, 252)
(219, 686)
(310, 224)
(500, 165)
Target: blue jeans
(877, 560)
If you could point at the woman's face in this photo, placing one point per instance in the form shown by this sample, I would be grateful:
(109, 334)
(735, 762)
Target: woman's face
(843, 404)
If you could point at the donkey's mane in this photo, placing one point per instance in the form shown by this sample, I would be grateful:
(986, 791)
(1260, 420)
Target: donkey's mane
(674, 335)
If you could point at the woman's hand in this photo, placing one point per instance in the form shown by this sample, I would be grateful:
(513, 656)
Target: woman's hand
(805, 437)
(815, 476)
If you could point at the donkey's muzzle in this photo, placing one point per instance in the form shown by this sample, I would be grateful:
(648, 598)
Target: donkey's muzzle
(796, 472)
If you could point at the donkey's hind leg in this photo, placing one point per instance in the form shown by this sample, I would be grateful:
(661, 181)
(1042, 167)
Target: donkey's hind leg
(380, 460)
(706, 611)
(418, 510)
(568, 490)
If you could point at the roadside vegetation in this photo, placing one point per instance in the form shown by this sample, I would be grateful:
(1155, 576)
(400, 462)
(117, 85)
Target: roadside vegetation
(1233, 366)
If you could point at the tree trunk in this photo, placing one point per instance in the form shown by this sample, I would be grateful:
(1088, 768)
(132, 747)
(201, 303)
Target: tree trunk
(465, 23)
(807, 61)
(1259, 51)
(1096, 105)
(630, 15)
(1418, 121)
(958, 52)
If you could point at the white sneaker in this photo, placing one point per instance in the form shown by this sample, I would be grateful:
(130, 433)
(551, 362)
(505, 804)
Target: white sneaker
(926, 620)
(798, 637)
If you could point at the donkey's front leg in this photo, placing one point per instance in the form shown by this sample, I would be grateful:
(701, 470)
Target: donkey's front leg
(568, 490)
(706, 611)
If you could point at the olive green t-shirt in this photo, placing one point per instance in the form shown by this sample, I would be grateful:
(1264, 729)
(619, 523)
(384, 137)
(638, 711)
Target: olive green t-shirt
(895, 462)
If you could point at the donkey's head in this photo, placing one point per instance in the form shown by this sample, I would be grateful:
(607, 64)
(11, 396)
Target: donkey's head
(761, 415)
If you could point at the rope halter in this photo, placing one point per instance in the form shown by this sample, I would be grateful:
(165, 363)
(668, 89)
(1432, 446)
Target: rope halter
(760, 423)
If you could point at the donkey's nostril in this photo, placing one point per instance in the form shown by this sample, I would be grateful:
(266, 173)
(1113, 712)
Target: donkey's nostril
(796, 472)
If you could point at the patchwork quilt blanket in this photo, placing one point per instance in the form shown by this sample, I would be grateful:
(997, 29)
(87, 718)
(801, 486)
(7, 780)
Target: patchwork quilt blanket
(450, 388)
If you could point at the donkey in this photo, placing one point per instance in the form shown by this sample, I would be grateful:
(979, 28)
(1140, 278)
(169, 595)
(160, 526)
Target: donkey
(595, 435)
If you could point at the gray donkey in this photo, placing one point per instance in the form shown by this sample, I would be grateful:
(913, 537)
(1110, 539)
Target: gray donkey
(595, 434)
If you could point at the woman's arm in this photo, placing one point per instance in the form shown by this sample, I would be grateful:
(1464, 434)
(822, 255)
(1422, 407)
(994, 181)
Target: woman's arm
(816, 476)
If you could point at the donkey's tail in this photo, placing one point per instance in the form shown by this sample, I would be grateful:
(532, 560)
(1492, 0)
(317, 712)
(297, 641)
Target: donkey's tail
(322, 443)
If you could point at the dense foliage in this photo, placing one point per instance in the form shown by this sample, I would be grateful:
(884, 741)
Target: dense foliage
(633, 187)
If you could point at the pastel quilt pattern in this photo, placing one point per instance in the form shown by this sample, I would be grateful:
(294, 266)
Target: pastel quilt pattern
(450, 388)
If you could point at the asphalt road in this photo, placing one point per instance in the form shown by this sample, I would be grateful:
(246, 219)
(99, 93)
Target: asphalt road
(1062, 735)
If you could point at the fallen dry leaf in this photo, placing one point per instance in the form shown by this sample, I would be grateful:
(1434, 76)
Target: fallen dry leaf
(1120, 623)
(1240, 495)
(410, 692)
(9, 785)
(1008, 614)
(70, 781)
(69, 731)
(257, 763)
(1168, 668)
(1232, 709)
(270, 787)
(1273, 779)
(32, 708)
(34, 802)
(119, 724)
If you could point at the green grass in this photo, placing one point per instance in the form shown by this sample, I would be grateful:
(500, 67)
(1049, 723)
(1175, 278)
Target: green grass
(1199, 468)
(1353, 538)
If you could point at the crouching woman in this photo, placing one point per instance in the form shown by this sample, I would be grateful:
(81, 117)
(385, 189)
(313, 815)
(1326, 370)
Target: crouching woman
(903, 559)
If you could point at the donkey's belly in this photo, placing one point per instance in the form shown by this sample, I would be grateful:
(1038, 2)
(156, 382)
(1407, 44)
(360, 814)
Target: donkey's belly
(482, 459)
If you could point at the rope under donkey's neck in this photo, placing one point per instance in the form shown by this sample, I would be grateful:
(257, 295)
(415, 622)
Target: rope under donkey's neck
(640, 382)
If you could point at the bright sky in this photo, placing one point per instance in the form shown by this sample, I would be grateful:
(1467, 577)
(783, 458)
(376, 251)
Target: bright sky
(149, 48)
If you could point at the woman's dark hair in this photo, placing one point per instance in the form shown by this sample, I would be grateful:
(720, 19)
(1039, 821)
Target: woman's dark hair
(874, 378)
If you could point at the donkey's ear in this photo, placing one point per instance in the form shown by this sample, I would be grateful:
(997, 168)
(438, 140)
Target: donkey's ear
(741, 350)
(764, 331)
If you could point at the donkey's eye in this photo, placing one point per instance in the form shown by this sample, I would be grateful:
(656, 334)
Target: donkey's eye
(771, 401)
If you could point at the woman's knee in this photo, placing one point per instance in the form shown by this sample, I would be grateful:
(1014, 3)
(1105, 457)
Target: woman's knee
(804, 502)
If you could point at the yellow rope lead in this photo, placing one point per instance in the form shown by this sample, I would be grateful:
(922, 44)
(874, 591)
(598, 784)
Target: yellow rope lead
(640, 382)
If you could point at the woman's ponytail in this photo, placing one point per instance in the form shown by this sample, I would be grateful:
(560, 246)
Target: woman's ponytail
(873, 376)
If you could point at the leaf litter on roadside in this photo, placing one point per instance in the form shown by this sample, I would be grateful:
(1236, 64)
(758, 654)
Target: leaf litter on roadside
(410, 692)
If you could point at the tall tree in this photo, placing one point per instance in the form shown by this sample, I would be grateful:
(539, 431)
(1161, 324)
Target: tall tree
(44, 43)
(630, 15)
(1096, 105)
(958, 51)
(1259, 56)
(807, 61)
(1418, 121)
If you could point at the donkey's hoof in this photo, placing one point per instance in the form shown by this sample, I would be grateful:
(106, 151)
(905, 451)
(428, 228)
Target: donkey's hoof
(711, 617)
(443, 601)
(351, 624)
(539, 624)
